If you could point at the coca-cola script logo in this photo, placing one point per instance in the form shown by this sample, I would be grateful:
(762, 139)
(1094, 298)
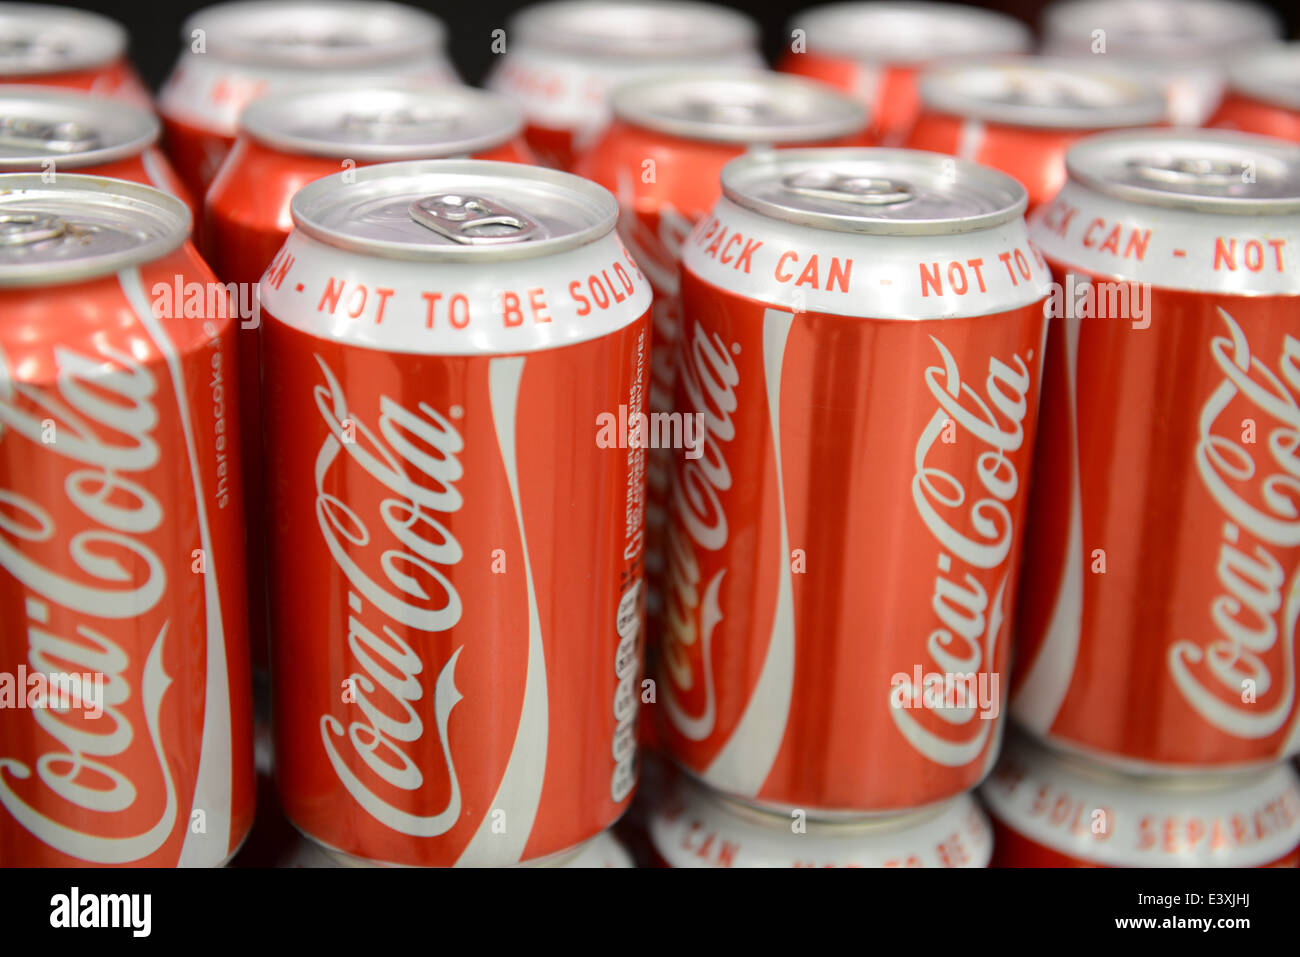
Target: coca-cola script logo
(709, 378)
(416, 487)
(1257, 605)
(102, 421)
(975, 533)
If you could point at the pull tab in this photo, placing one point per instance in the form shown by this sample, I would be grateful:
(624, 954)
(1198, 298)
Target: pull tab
(1185, 171)
(367, 122)
(1044, 91)
(825, 184)
(734, 113)
(32, 48)
(27, 229)
(23, 133)
(472, 220)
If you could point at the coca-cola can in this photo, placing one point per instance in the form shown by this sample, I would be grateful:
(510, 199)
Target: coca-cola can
(1263, 94)
(232, 53)
(1021, 115)
(1181, 44)
(1051, 809)
(1157, 625)
(56, 131)
(688, 126)
(455, 527)
(46, 45)
(862, 336)
(563, 59)
(290, 139)
(876, 51)
(120, 550)
(694, 827)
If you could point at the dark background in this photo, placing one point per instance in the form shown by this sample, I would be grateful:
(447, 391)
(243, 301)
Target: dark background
(155, 27)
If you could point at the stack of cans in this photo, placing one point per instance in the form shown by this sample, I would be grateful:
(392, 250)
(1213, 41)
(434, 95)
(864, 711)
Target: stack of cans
(900, 449)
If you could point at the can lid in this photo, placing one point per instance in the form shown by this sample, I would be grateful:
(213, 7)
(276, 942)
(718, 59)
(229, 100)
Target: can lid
(1209, 170)
(1044, 93)
(1162, 28)
(739, 108)
(639, 29)
(887, 32)
(73, 129)
(81, 227)
(1270, 74)
(875, 191)
(38, 39)
(383, 122)
(316, 33)
(454, 211)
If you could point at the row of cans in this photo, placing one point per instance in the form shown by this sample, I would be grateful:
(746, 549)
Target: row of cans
(446, 352)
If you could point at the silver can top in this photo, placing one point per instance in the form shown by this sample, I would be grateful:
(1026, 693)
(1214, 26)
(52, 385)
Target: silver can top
(1208, 170)
(454, 211)
(1175, 29)
(82, 227)
(38, 39)
(873, 191)
(1044, 93)
(886, 32)
(730, 108)
(383, 122)
(74, 130)
(316, 33)
(637, 29)
(1271, 75)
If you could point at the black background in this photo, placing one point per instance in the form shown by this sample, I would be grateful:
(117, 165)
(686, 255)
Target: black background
(155, 27)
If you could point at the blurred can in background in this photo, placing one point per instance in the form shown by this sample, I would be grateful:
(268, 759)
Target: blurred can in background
(1263, 94)
(876, 51)
(1021, 115)
(236, 52)
(563, 59)
(47, 45)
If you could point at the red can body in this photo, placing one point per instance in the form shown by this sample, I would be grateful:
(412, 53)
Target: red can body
(1262, 94)
(1157, 623)
(1050, 810)
(477, 523)
(1241, 112)
(116, 80)
(121, 556)
(792, 667)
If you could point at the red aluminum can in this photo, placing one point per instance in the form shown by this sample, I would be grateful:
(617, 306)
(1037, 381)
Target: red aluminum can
(290, 139)
(862, 335)
(691, 125)
(693, 827)
(1021, 115)
(1264, 94)
(45, 45)
(1157, 626)
(1183, 45)
(876, 51)
(235, 52)
(566, 57)
(56, 131)
(122, 537)
(1055, 810)
(452, 535)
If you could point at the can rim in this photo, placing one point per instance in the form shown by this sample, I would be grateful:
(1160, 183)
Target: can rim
(1083, 158)
(1007, 35)
(601, 199)
(1256, 75)
(110, 37)
(628, 103)
(734, 171)
(720, 30)
(946, 89)
(148, 125)
(419, 32)
(172, 214)
(1067, 25)
(256, 121)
